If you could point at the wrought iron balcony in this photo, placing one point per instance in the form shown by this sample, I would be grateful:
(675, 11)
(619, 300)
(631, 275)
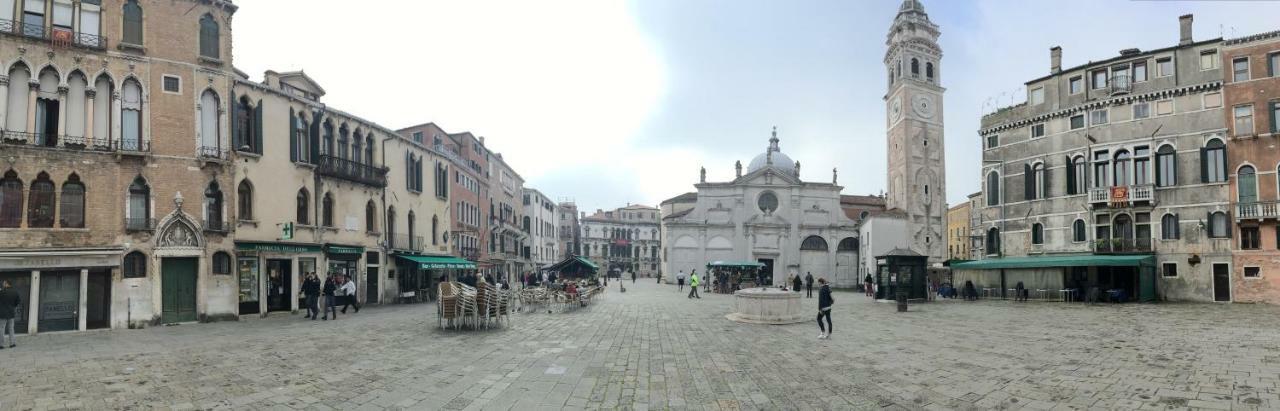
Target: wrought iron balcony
(58, 36)
(139, 224)
(406, 242)
(129, 146)
(1258, 210)
(67, 142)
(1121, 84)
(470, 253)
(1121, 195)
(213, 153)
(1123, 246)
(352, 171)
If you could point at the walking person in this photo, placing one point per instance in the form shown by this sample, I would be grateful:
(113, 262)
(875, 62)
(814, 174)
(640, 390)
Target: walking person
(9, 302)
(680, 281)
(693, 285)
(870, 288)
(808, 284)
(330, 299)
(824, 308)
(633, 277)
(349, 294)
(311, 291)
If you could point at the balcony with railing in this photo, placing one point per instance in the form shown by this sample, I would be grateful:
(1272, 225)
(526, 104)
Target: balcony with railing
(139, 224)
(352, 171)
(213, 153)
(470, 253)
(1122, 195)
(1123, 246)
(1258, 210)
(73, 142)
(406, 242)
(58, 36)
(1121, 84)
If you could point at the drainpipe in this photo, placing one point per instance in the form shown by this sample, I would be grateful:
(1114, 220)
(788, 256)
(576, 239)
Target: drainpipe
(382, 245)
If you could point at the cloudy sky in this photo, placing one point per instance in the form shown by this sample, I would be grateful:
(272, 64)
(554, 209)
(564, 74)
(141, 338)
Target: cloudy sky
(610, 103)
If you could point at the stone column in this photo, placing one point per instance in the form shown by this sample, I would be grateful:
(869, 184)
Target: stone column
(62, 114)
(4, 101)
(88, 113)
(33, 88)
(82, 313)
(114, 130)
(33, 314)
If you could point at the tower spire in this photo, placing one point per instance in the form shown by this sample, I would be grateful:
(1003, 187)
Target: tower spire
(773, 141)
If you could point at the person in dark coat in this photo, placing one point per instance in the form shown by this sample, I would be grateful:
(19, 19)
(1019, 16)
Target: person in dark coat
(970, 293)
(1020, 292)
(808, 284)
(824, 308)
(311, 290)
(869, 287)
(330, 299)
(9, 302)
(795, 283)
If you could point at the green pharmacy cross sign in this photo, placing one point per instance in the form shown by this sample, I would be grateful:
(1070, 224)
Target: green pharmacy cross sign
(286, 231)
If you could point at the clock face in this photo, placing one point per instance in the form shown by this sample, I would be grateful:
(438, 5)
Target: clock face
(895, 110)
(923, 106)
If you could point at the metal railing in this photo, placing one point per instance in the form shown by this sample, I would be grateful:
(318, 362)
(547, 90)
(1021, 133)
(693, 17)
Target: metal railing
(1258, 210)
(1121, 83)
(139, 224)
(344, 169)
(72, 142)
(470, 253)
(1123, 246)
(215, 153)
(58, 35)
(405, 242)
(1133, 193)
(134, 146)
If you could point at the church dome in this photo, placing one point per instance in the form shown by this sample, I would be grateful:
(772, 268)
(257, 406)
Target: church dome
(773, 155)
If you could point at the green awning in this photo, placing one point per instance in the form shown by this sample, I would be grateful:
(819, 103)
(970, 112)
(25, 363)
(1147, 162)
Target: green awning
(735, 264)
(432, 262)
(588, 263)
(560, 266)
(1050, 261)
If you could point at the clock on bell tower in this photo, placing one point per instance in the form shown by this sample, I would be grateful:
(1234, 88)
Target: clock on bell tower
(915, 145)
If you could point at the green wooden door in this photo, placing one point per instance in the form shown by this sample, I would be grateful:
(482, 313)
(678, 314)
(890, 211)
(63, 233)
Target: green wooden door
(178, 292)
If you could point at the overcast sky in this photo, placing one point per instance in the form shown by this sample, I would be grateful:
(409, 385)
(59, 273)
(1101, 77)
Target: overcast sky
(610, 103)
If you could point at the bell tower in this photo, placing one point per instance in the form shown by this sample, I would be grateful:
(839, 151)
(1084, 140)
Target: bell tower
(916, 155)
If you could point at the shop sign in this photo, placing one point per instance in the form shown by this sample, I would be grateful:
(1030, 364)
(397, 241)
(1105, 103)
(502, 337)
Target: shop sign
(57, 261)
(278, 247)
(342, 249)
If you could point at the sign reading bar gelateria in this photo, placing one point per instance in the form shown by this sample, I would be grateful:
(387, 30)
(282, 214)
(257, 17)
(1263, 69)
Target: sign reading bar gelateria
(278, 247)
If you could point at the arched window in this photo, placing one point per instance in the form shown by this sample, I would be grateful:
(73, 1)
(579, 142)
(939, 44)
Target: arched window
(326, 207)
(132, 14)
(847, 244)
(1078, 231)
(370, 217)
(343, 142)
(993, 241)
(299, 144)
(928, 70)
(208, 37)
(71, 205)
(413, 231)
(1122, 227)
(1035, 176)
(814, 243)
(355, 148)
(915, 68)
(131, 114)
(1076, 175)
(391, 223)
(210, 141)
(1218, 226)
(326, 143)
(10, 200)
(1037, 233)
(19, 91)
(304, 204)
(244, 198)
(213, 207)
(435, 230)
(246, 126)
(47, 110)
(993, 188)
(221, 262)
(139, 217)
(40, 205)
(75, 109)
(135, 265)
(1120, 169)
(1169, 227)
(368, 149)
(102, 91)
(1246, 185)
(1213, 162)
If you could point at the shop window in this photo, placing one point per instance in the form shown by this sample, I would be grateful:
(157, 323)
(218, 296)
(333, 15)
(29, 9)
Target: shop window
(221, 263)
(135, 265)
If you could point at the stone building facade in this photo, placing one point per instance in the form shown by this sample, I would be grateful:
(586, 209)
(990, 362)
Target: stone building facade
(1251, 94)
(1116, 166)
(115, 195)
(623, 241)
(569, 229)
(508, 240)
(540, 222)
(958, 231)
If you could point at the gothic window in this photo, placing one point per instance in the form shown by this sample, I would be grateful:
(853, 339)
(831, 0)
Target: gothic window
(71, 207)
(343, 142)
(435, 230)
(391, 222)
(208, 37)
(326, 143)
(303, 207)
(40, 203)
(413, 230)
(356, 152)
(327, 210)
(47, 109)
(139, 205)
(1037, 233)
(209, 138)
(370, 217)
(213, 206)
(368, 149)
(19, 91)
(993, 241)
(132, 17)
(1078, 231)
(814, 243)
(130, 114)
(135, 265)
(244, 199)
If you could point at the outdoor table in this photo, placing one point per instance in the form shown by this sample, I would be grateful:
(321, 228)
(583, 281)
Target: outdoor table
(1042, 294)
(989, 292)
(1067, 295)
(1013, 291)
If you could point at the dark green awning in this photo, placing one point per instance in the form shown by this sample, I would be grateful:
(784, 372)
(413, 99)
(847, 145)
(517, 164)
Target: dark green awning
(432, 262)
(1050, 261)
(571, 261)
(735, 264)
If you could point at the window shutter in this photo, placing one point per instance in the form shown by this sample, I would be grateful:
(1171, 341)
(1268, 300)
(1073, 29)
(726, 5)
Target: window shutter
(1177, 226)
(1204, 165)
(1048, 181)
(1173, 178)
(236, 141)
(1222, 165)
(293, 136)
(1071, 177)
(1271, 110)
(1230, 227)
(315, 136)
(257, 128)
(1028, 183)
(1209, 223)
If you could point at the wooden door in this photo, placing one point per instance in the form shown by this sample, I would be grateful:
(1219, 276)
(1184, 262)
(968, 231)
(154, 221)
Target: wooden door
(178, 292)
(1221, 282)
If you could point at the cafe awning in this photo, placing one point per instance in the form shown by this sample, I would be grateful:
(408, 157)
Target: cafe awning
(1050, 261)
(735, 264)
(432, 262)
(571, 261)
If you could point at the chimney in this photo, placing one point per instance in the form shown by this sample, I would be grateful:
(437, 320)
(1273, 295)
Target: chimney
(1055, 59)
(1184, 29)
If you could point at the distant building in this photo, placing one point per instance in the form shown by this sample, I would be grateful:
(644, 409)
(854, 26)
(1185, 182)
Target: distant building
(958, 230)
(570, 230)
(624, 240)
(540, 222)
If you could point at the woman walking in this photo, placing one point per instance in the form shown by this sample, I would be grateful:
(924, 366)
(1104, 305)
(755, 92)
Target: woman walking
(824, 308)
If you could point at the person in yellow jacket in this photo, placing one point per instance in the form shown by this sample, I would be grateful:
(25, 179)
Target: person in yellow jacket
(693, 285)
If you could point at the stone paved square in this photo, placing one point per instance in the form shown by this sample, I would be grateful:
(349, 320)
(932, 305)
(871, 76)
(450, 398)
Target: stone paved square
(652, 348)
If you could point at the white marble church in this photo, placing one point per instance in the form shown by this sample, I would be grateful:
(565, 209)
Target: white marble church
(766, 215)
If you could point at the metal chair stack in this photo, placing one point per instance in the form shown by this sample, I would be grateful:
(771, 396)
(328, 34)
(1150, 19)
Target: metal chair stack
(447, 307)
